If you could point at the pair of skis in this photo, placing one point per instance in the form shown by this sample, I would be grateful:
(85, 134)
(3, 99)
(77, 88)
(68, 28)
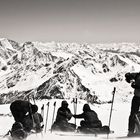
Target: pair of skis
(75, 107)
(46, 119)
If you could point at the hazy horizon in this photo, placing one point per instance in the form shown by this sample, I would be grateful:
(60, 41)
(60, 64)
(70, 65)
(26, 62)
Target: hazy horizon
(90, 21)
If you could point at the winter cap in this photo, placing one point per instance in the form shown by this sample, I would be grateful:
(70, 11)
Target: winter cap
(127, 74)
(86, 107)
(34, 108)
(64, 103)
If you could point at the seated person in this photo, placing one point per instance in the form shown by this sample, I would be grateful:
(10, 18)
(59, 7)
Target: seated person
(90, 118)
(33, 123)
(63, 116)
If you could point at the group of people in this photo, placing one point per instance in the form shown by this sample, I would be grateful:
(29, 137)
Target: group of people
(90, 122)
(27, 118)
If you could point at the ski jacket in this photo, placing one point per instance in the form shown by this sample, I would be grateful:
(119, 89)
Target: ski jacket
(20, 109)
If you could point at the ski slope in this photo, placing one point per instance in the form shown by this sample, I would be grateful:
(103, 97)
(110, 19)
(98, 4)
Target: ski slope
(119, 120)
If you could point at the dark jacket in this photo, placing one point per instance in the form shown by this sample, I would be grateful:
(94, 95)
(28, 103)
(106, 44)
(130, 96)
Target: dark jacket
(90, 117)
(20, 109)
(63, 114)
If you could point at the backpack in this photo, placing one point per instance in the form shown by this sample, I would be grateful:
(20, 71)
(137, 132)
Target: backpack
(17, 131)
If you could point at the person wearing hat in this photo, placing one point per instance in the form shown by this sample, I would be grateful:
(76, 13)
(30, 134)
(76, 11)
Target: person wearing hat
(90, 117)
(63, 116)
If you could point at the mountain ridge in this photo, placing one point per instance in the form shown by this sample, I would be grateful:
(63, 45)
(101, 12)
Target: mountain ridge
(65, 70)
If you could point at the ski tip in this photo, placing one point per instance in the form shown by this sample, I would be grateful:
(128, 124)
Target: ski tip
(54, 103)
(48, 103)
(42, 107)
(114, 90)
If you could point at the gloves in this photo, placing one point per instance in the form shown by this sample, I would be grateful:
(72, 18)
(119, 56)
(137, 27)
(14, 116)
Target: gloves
(128, 77)
(74, 116)
(133, 85)
(68, 115)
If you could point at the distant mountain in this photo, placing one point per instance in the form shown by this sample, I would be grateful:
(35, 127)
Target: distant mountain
(65, 70)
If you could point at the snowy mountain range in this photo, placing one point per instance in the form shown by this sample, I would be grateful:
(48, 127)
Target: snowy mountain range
(66, 70)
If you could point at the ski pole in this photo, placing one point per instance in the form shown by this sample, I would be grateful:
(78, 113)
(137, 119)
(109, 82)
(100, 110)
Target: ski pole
(34, 99)
(53, 115)
(42, 114)
(75, 107)
(47, 116)
(111, 108)
(30, 110)
(42, 111)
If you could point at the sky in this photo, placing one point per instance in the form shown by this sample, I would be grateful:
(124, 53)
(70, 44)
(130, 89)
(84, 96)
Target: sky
(90, 21)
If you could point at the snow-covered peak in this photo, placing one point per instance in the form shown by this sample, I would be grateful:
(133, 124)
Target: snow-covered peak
(5, 43)
(58, 69)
